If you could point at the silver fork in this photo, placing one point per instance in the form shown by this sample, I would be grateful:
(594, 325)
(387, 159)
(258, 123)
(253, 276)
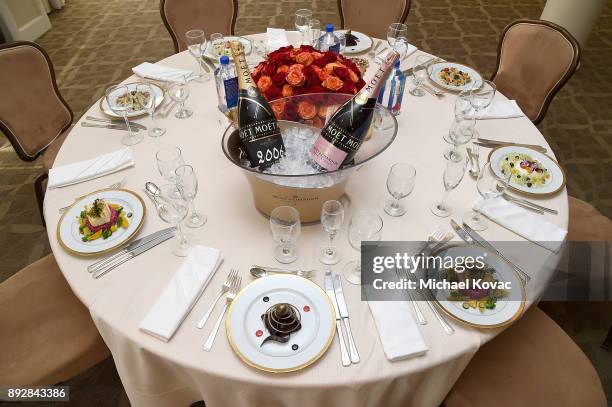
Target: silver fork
(224, 288)
(231, 294)
(474, 153)
(116, 185)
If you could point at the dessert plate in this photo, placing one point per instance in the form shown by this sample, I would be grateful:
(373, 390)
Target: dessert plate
(364, 43)
(159, 98)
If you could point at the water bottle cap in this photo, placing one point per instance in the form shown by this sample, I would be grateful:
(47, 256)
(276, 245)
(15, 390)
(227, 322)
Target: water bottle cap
(329, 28)
(224, 59)
(397, 64)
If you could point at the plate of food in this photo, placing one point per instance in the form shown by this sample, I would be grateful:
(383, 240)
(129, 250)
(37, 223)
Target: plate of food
(138, 99)
(454, 77)
(222, 47)
(532, 172)
(486, 293)
(280, 323)
(101, 221)
(356, 42)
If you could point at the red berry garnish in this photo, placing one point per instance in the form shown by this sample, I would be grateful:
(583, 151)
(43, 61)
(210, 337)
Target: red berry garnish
(258, 333)
(306, 308)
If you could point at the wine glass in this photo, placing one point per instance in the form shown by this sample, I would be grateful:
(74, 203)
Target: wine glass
(481, 97)
(196, 44)
(285, 227)
(419, 74)
(149, 104)
(119, 99)
(462, 109)
(460, 133)
(187, 184)
(453, 174)
(364, 226)
(302, 18)
(397, 38)
(332, 217)
(314, 27)
(400, 183)
(172, 209)
(489, 185)
(217, 42)
(179, 92)
(168, 160)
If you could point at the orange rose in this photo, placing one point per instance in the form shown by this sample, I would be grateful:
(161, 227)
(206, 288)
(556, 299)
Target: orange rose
(316, 55)
(332, 83)
(264, 83)
(322, 111)
(304, 58)
(296, 67)
(283, 69)
(295, 78)
(307, 110)
(329, 68)
(354, 77)
(278, 108)
(323, 75)
(287, 90)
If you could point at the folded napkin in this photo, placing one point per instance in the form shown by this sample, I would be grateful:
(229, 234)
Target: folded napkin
(181, 293)
(277, 38)
(410, 49)
(398, 332)
(499, 109)
(523, 222)
(89, 169)
(160, 72)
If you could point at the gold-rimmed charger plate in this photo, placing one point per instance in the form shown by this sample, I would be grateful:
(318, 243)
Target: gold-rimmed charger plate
(70, 238)
(159, 99)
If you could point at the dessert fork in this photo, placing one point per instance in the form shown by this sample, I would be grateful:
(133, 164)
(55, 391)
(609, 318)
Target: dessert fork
(231, 295)
(224, 289)
(116, 185)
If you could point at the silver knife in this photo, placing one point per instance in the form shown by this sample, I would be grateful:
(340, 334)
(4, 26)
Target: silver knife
(108, 126)
(345, 318)
(131, 254)
(533, 204)
(119, 122)
(130, 246)
(329, 290)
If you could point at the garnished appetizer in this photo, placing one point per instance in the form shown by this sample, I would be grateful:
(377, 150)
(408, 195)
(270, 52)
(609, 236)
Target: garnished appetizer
(525, 170)
(101, 219)
(475, 296)
(454, 76)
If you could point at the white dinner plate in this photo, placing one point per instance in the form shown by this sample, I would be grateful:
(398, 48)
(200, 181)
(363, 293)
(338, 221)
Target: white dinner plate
(364, 43)
(68, 227)
(159, 98)
(246, 330)
(506, 310)
(210, 48)
(435, 69)
(552, 185)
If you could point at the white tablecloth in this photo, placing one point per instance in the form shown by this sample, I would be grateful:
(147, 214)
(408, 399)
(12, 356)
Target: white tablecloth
(176, 373)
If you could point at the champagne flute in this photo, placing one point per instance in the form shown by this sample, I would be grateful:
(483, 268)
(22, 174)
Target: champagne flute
(332, 217)
(490, 185)
(149, 105)
(314, 27)
(453, 174)
(172, 209)
(400, 183)
(364, 226)
(286, 228)
(419, 74)
(481, 97)
(119, 99)
(187, 184)
(302, 18)
(179, 92)
(196, 44)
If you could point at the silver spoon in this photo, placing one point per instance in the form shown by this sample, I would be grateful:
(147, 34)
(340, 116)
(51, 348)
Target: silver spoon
(259, 271)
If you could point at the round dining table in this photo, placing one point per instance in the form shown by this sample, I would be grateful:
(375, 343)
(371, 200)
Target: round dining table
(178, 372)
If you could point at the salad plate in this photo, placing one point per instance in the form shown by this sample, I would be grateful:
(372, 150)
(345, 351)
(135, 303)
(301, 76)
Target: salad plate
(497, 299)
(223, 48)
(159, 98)
(533, 173)
(249, 335)
(454, 77)
(101, 221)
(363, 42)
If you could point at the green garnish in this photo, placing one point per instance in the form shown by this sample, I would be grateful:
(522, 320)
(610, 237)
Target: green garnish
(96, 208)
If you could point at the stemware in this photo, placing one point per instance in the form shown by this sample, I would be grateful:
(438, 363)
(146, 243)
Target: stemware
(149, 106)
(453, 174)
(196, 44)
(119, 99)
(397, 37)
(400, 183)
(187, 183)
(490, 185)
(314, 27)
(179, 92)
(302, 18)
(481, 97)
(332, 217)
(168, 160)
(419, 74)
(173, 209)
(285, 227)
(364, 226)
(462, 108)
(460, 133)
(217, 42)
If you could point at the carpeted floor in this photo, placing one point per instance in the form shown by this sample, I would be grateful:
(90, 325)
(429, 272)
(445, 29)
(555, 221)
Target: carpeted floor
(95, 43)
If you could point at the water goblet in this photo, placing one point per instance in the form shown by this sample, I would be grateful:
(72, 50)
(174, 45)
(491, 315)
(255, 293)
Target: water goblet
(462, 109)
(332, 217)
(302, 18)
(179, 92)
(314, 29)
(196, 44)
(400, 183)
(218, 43)
(286, 228)
(453, 174)
(119, 100)
(149, 104)
(419, 74)
(168, 160)
(490, 185)
(187, 184)
(397, 38)
(460, 133)
(173, 209)
(481, 97)
(364, 226)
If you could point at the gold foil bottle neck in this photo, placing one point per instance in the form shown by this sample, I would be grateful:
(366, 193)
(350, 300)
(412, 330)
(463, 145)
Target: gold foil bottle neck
(237, 48)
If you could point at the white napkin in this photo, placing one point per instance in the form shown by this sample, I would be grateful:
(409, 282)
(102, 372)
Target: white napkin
(527, 224)
(410, 49)
(160, 72)
(398, 332)
(277, 38)
(181, 293)
(89, 169)
(499, 109)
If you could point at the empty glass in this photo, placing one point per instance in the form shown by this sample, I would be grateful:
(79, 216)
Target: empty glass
(314, 31)
(302, 18)
(460, 133)
(187, 183)
(168, 160)
(400, 183)
(286, 228)
(419, 74)
(196, 44)
(481, 97)
(462, 108)
(397, 37)
(489, 185)
(332, 217)
(364, 226)
(120, 101)
(179, 92)
(172, 209)
(453, 174)
(218, 43)
(149, 105)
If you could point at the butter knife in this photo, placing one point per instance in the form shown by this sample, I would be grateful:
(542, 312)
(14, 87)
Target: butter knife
(119, 122)
(345, 318)
(329, 290)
